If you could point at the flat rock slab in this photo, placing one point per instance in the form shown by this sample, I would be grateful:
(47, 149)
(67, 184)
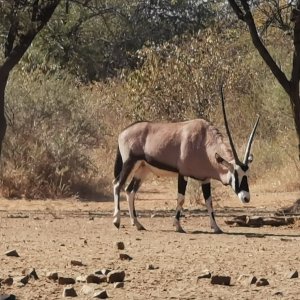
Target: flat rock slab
(100, 295)
(293, 274)
(262, 282)
(115, 276)
(221, 280)
(66, 280)
(13, 253)
(7, 297)
(247, 280)
(69, 292)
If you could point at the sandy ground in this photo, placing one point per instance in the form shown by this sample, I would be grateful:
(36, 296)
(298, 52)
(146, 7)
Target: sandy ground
(49, 234)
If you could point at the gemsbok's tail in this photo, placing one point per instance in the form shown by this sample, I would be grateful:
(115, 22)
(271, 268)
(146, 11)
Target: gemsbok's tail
(118, 165)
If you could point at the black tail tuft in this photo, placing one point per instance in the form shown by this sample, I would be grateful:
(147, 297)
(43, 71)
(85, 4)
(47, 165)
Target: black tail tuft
(118, 164)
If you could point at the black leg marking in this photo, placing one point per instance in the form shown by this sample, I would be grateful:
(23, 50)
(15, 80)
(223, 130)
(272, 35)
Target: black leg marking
(181, 185)
(206, 190)
(177, 215)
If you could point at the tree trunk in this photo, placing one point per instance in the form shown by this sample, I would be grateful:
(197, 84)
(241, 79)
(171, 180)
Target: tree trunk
(3, 125)
(295, 102)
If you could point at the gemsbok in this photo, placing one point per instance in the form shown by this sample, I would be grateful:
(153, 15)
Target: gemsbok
(194, 149)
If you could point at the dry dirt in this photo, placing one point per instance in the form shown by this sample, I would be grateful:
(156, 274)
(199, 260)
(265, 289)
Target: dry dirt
(49, 234)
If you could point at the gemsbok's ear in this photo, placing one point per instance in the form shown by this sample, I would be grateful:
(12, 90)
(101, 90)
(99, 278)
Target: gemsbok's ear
(224, 162)
(250, 158)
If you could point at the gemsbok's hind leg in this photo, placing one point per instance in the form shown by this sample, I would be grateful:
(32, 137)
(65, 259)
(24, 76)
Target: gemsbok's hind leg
(180, 201)
(206, 189)
(118, 185)
(131, 191)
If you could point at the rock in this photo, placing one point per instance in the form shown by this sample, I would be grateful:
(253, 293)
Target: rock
(279, 293)
(87, 290)
(76, 263)
(120, 245)
(52, 275)
(262, 282)
(100, 295)
(118, 285)
(31, 273)
(7, 297)
(222, 280)
(293, 274)
(103, 271)
(7, 281)
(115, 276)
(21, 279)
(81, 278)
(93, 279)
(69, 292)
(12, 253)
(124, 256)
(150, 267)
(247, 280)
(204, 274)
(65, 280)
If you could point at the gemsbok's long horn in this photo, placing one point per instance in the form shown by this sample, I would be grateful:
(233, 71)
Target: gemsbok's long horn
(248, 148)
(236, 158)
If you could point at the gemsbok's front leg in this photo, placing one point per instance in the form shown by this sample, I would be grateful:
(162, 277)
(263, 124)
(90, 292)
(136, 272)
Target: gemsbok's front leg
(206, 189)
(180, 201)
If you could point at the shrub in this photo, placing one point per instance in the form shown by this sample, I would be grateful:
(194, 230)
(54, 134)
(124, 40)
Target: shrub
(53, 124)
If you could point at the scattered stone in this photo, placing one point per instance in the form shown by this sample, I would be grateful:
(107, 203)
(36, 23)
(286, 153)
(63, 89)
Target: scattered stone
(12, 253)
(150, 267)
(65, 280)
(115, 276)
(76, 263)
(21, 279)
(69, 292)
(100, 294)
(124, 256)
(7, 281)
(120, 245)
(81, 278)
(247, 279)
(262, 282)
(222, 280)
(87, 290)
(278, 294)
(7, 297)
(293, 274)
(31, 273)
(118, 285)
(52, 275)
(204, 274)
(103, 271)
(93, 279)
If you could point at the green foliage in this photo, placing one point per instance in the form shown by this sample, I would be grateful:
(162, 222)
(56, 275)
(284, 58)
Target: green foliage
(95, 40)
(181, 79)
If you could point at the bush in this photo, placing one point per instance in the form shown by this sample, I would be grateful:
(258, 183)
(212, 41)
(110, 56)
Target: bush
(53, 125)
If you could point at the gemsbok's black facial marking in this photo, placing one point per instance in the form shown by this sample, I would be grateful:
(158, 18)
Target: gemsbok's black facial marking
(244, 184)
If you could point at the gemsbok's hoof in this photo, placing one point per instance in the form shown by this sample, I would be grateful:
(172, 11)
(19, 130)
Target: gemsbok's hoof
(180, 230)
(218, 231)
(140, 227)
(117, 224)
